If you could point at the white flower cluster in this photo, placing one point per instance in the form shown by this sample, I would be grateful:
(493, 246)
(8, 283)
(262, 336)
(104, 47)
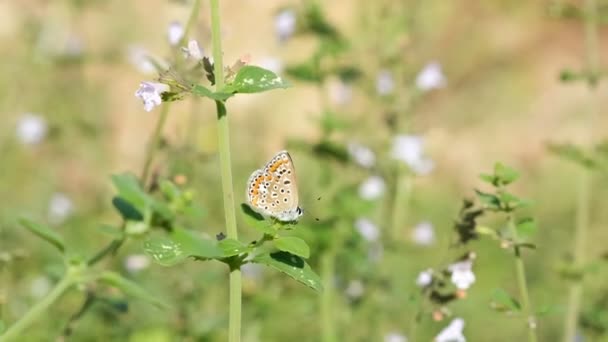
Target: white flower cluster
(462, 274)
(372, 188)
(452, 333)
(430, 77)
(423, 234)
(31, 129)
(175, 33)
(285, 24)
(409, 149)
(425, 278)
(368, 230)
(394, 337)
(193, 51)
(60, 207)
(361, 154)
(150, 94)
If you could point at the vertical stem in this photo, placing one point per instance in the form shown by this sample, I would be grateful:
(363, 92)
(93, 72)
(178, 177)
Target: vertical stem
(234, 323)
(154, 142)
(585, 177)
(328, 332)
(37, 310)
(523, 286)
(400, 202)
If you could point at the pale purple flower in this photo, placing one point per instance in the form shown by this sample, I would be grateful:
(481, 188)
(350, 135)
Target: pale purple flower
(140, 58)
(60, 207)
(462, 274)
(31, 129)
(423, 233)
(175, 32)
(385, 83)
(136, 262)
(193, 51)
(150, 94)
(409, 149)
(430, 77)
(372, 188)
(361, 154)
(285, 24)
(425, 278)
(394, 337)
(453, 332)
(367, 229)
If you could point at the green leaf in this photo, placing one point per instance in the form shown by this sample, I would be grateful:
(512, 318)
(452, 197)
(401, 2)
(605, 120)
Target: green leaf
(110, 230)
(164, 251)
(307, 71)
(503, 301)
(256, 220)
(196, 246)
(293, 245)
(491, 179)
(483, 230)
(130, 288)
(505, 174)
(526, 228)
(130, 190)
(200, 90)
(490, 201)
(293, 266)
(126, 209)
(252, 79)
(136, 227)
(572, 153)
(232, 247)
(44, 232)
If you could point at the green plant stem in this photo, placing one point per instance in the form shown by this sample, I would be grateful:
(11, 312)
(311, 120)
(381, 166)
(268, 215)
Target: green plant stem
(522, 284)
(154, 142)
(585, 177)
(16, 330)
(400, 201)
(326, 317)
(234, 322)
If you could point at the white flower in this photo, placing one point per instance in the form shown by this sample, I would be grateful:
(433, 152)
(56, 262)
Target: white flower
(425, 278)
(424, 234)
(462, 274)
(355, 289)
(340, 93)
(368, 230)
(361, 154)
(136, 262)
(31, 129)
(430, 77)
(271, 63)
(40, 286)
(453, 332)
(372, 188)
(385, 83)
(140, 58)
(409, 149)
(193, 50)
(175, 32)
(394, 337)
(285, 24)
(60, 207)
(149, 93)
(252, 271)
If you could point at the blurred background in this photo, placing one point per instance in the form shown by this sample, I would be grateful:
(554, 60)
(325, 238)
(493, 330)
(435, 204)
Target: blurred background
(473, 82)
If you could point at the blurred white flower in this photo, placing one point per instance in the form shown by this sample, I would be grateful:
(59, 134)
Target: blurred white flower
(193, 50)
(372, 188)
(361, 154)
(368, 230)
(453, 332)
(394, 337)
(60, 207)
(40, 286)
(140, 58)
(462, 274)
(150, 94)
(31, 129)
(355, 289)
(273, 64)
(423, 233)
(285, 24)
(340, 93)
(430, 77)
(175, 32)
(136, 262)
(252, 271)
(410, 149)
(425, 278)
(385, 84)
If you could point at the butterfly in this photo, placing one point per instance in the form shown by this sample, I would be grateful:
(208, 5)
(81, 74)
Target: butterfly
(273, 190)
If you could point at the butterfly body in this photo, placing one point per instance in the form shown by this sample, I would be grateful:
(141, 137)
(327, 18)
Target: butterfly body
(273, 190)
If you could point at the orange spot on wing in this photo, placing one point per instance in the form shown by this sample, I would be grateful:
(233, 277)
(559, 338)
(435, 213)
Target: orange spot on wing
(276, 165)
